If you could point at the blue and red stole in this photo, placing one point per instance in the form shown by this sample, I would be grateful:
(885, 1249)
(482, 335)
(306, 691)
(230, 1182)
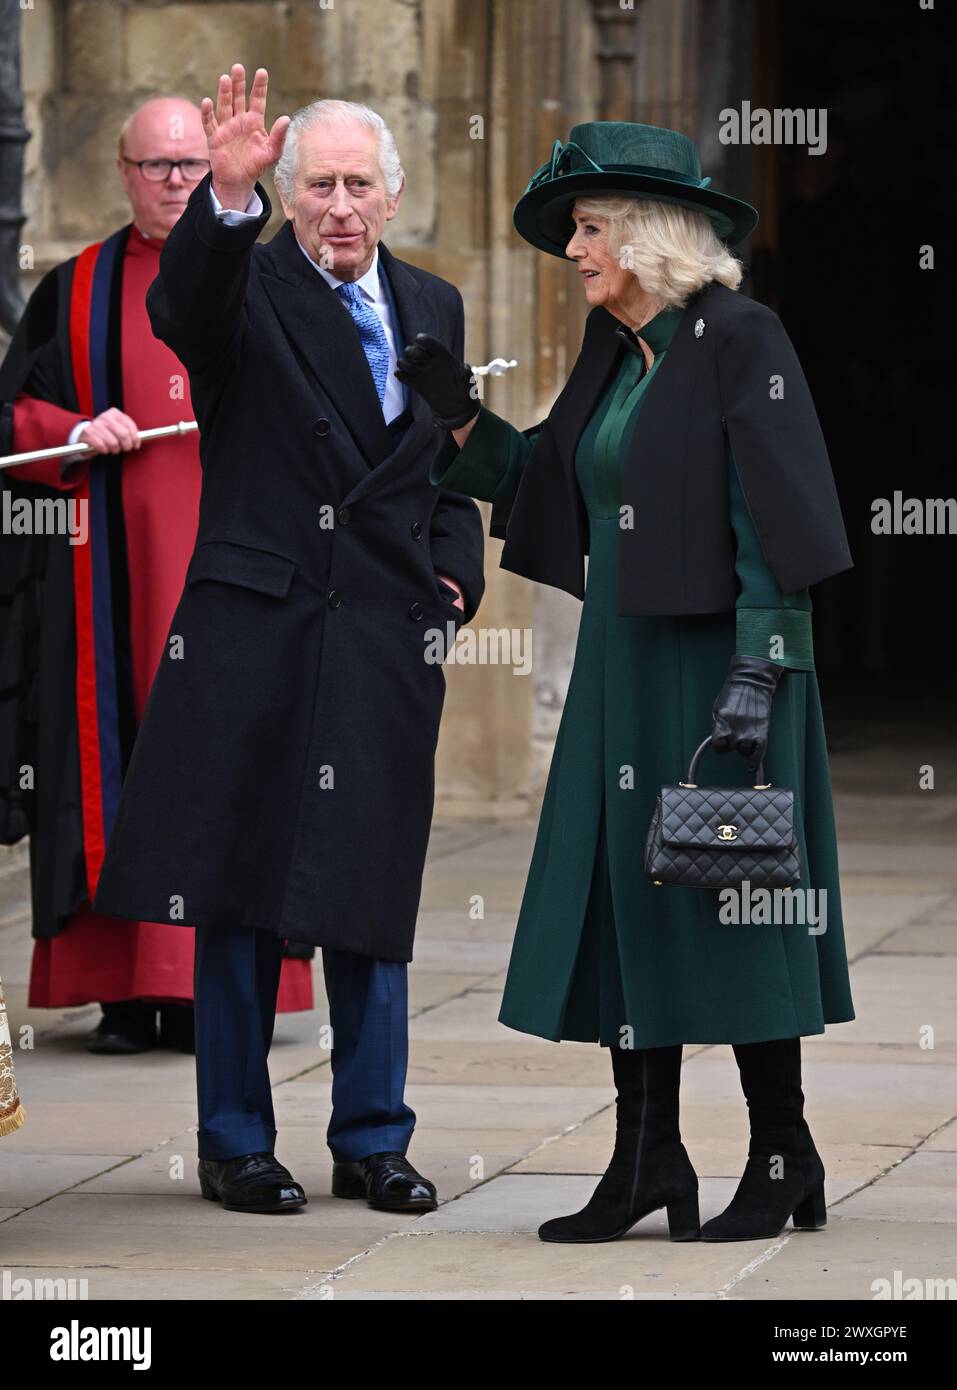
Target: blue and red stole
(104, 694)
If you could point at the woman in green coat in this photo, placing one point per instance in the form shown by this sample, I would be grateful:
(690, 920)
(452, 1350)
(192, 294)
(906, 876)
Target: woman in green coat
(703, 529)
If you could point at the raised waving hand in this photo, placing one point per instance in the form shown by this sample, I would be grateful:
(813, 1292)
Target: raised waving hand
(240, 147)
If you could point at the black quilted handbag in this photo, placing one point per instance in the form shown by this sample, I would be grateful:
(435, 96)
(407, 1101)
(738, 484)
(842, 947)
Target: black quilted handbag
(716, 837)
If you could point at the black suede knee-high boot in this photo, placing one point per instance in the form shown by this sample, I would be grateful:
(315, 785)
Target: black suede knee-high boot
(650, 1168)
(784, 1175)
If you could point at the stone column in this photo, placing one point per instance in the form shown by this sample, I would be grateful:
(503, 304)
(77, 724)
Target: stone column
(511, 78)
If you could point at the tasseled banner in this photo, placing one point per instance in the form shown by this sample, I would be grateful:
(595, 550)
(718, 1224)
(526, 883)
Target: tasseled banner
(11, 1109)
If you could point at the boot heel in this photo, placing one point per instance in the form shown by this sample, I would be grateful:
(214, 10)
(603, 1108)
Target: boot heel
(207, 1191)
(811, 1213)
(683, 1220)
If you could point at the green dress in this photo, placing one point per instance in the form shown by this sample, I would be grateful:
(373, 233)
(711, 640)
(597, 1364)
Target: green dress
(601, 954)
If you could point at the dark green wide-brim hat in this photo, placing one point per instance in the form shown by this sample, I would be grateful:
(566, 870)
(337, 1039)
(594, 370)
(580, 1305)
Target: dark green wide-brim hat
(614, 158)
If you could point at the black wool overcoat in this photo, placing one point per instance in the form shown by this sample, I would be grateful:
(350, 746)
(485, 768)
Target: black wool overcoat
(730, 375)
(283, 774)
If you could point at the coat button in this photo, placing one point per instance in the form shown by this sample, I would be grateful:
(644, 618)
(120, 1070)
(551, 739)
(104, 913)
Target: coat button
(415, 612)
(335, 598)
(343, 515)
(321, 426)
(416, 530)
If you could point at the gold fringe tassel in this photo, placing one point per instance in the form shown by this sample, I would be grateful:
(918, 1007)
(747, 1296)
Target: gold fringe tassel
(10, 1123)
(11, 1107)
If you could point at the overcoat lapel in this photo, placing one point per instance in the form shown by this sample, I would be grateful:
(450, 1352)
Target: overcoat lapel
(655, 480)
(324, 338)
(416, 312)
(590, 376)
(547, 534)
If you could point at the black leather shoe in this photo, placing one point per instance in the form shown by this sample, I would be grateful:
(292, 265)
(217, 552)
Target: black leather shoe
(126, 1027)
(177, 1028)
(251, 1182)
(387, 1181)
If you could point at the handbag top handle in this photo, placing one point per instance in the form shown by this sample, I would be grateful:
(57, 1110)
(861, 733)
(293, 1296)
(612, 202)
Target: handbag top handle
(760, 785)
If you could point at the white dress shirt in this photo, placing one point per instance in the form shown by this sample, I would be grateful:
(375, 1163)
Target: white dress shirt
(369, 284)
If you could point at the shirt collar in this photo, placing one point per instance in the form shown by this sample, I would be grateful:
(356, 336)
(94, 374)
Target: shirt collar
(368, 283)
(659, 331)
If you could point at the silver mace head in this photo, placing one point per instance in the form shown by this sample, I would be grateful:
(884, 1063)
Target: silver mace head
(497, 367)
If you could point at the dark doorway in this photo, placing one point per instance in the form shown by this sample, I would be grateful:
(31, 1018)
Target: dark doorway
(873, 329)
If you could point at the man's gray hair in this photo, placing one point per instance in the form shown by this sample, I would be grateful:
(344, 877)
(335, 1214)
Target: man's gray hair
(342, 114)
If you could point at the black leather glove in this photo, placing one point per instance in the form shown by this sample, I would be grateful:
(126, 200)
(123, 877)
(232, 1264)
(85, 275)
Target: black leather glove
(441, 379)
(742, 711)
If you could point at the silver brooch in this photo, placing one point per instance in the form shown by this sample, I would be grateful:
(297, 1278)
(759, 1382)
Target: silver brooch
(698, 327)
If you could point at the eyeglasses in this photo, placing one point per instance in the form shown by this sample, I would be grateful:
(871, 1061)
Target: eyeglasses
(159, 170)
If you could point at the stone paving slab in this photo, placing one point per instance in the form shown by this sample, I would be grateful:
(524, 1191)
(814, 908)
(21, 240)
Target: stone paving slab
(125, 1126)
(830, 1049)
(439, 925)
(473, 956)
(259, 1285)
(843, 1261)
(839, 1263)
(926, 938)
(923, 1187)
(140, 1234)
(944, 1140)
(490, 1264)
(890, 911)
(883, 1203)
(472, 1017)
(332, 1291)
(509, 1063)
(909, 882)
(548, 1109)
(495, 984)
(451, 886)
(26, 1182)
(896, 997)
(430, 987)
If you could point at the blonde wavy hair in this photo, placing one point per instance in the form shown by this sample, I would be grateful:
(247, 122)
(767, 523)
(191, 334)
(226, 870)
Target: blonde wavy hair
(671, 249)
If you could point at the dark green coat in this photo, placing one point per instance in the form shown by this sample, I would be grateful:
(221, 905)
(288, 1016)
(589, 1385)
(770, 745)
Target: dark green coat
(598, 949)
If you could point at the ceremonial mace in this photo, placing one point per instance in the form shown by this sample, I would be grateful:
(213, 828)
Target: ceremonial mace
(62, 450)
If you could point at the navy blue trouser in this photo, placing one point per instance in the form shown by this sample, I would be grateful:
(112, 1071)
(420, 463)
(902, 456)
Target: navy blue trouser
(236, 980)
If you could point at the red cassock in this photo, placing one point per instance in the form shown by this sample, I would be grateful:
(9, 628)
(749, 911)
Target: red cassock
(98, 958)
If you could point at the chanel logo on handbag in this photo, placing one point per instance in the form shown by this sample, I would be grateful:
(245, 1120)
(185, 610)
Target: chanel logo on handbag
(755, 838)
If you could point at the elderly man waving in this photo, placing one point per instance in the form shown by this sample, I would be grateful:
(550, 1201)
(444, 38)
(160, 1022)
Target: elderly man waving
(281, 785)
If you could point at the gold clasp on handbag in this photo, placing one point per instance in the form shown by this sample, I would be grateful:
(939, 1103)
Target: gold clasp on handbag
(727, 832)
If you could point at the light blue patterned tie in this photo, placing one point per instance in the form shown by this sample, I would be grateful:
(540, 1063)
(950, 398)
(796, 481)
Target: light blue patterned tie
(375, 344)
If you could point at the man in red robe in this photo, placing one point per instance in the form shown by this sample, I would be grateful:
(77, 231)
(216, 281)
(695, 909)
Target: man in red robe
(84, 366)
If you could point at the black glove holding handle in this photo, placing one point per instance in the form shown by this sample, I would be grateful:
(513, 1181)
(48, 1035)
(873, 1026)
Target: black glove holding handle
(441, 379)
(742, 712)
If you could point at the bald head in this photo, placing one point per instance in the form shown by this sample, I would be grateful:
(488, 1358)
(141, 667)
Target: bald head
(162, 128)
